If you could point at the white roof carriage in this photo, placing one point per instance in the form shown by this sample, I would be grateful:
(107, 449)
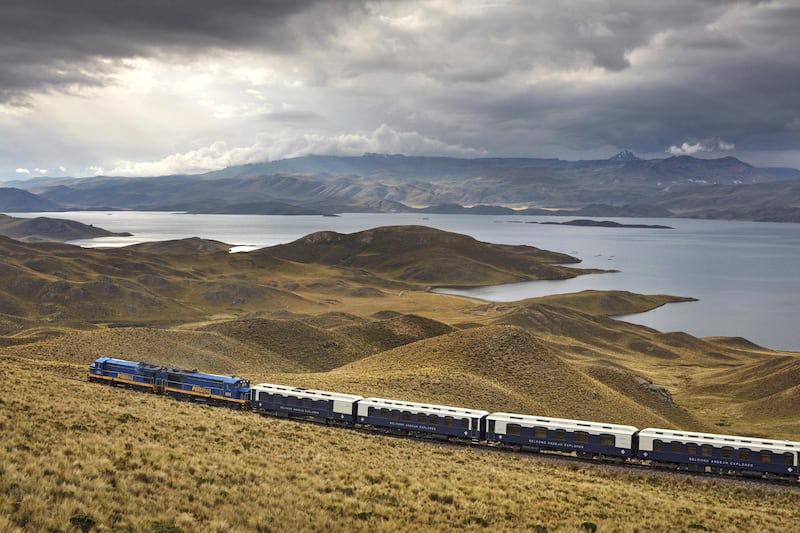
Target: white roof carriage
(623, 434)
(648, 435)
(342, 403)
(428, 409)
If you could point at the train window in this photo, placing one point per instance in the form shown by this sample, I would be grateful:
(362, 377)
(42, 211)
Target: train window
(608, 440)
(407, 417)
(657, 444)
(513, 429)
(707, 451)
(766, 457)
(744, 454)
(395, 415)
(727, 452)
(464, 423)
(491, 426)
(561, 434)
(788, 459)
(581, 436)
(691, 449)
(371, 411)
(384, 413)
(434, 419)
(422, 418)
(676, 447)
(448, 421)
(540, 433)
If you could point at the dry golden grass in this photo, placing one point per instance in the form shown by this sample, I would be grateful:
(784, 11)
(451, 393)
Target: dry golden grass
(425, 256)
(204, 350)
(610, 303)
(77, 454)
(731, 385)
(497, 368)
(81, 456)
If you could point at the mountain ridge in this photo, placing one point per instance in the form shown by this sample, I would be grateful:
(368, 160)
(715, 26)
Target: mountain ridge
(674, 186)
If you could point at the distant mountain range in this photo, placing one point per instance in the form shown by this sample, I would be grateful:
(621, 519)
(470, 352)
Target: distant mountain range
(623, 185)
(17, 200)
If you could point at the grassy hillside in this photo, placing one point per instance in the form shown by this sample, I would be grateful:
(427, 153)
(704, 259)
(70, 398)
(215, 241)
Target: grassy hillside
(45, 229)
(420, 255)
(496, 368)
(352, 314)
(93, 457)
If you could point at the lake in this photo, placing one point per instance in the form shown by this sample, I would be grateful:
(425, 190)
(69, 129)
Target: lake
(745, 274)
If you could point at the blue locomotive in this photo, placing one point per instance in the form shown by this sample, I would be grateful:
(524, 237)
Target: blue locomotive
(182, 384)
(692, 451)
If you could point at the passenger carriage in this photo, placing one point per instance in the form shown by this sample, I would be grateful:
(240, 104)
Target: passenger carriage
(709, 452)
(283, 400)
(420, 418)
(564, 435)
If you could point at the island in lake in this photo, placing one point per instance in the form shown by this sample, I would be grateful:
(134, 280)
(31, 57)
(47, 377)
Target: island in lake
(605, 224)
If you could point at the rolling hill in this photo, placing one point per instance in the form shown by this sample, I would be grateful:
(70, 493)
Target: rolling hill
(352, 313)
(45, 229)
(419, 255)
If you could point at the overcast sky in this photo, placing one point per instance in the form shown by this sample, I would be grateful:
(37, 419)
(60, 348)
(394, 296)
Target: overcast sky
(153, 87)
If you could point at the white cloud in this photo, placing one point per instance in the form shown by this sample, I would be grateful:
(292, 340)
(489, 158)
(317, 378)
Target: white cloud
(213, 157)
(688, 149)
(708, 145)
(23, 171)
(793, 124)
(383, 139)
(40, 170)
(724, 146)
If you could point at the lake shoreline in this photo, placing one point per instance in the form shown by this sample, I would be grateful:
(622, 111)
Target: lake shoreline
(742, 273)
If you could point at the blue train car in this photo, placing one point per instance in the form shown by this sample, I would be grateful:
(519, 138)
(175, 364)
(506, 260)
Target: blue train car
(421, 418)
(301, 402)
(564, 435)
(126, 373)
(709, 452)
(212, 388)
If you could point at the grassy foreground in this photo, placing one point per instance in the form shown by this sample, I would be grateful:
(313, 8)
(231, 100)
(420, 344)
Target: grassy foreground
(76, 456)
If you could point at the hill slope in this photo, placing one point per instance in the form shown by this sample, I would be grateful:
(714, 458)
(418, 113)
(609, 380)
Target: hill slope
(20, 201)
(496, 368)
(43, 229)
(428, 256)
(103, 458)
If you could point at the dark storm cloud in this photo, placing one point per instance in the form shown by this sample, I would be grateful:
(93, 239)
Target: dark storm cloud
(717, 72)
(54, 44)
(499, 77)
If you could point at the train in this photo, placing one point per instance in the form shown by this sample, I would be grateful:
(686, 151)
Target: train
(679, 450)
